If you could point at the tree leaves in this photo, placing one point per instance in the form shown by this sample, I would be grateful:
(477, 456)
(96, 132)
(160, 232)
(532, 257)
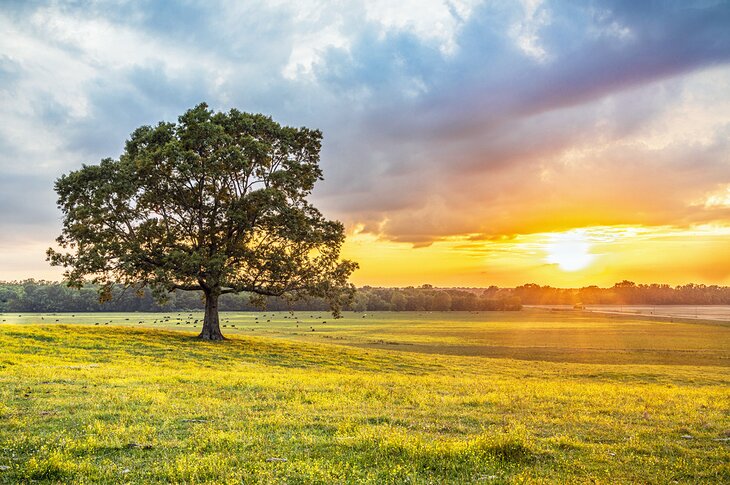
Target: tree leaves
(215, 202)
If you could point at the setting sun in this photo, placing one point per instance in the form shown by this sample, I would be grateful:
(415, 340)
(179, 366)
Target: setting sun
(570, 251)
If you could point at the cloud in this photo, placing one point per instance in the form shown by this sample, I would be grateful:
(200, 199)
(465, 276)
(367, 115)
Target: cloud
(575, 167)
(540, 146)
(526, 32)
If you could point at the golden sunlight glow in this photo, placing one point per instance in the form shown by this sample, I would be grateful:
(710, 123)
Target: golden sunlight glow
(597, 255)
(569, 250)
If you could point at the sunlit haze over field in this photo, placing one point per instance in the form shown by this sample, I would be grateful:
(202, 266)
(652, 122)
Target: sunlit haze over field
(466, 142)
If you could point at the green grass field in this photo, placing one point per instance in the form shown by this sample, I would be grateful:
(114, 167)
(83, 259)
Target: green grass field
(532, 396)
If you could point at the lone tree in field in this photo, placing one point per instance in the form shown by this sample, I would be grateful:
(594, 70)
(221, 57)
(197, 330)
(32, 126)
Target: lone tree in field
(214, 203)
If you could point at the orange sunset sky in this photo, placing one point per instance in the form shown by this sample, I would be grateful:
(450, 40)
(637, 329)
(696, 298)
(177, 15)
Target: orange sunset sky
(466, 142)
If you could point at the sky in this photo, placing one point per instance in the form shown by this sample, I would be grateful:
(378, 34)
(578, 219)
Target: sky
(466, 142)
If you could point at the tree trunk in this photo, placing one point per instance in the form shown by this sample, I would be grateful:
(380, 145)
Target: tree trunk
(211, 324)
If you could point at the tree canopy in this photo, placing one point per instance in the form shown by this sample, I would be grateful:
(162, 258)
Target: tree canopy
(216, 202)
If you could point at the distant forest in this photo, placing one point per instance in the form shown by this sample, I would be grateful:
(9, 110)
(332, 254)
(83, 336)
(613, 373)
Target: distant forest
(45, 296)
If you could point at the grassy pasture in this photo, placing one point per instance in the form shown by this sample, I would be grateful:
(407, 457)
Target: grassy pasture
(533, 396)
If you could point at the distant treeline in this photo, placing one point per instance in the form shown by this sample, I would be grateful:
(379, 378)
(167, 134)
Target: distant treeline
(45, 296)
(623, 293)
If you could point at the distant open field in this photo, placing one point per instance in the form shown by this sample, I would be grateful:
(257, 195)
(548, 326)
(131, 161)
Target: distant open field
(532, 334)
(691, 312)
(532, 396)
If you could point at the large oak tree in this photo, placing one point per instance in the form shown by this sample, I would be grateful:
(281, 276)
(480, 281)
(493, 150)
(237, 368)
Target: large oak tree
(216, 202)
